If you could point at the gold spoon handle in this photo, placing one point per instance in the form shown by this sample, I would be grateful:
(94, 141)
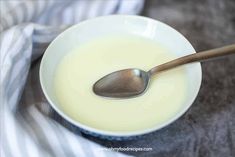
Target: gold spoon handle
(201, 56)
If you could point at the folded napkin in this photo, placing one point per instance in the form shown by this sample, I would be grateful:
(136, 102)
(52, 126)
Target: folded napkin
(27, 27)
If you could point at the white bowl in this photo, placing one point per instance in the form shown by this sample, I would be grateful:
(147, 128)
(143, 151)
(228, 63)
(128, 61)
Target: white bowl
(113, 24)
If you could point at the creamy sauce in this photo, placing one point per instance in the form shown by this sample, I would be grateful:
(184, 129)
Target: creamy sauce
(81, 68)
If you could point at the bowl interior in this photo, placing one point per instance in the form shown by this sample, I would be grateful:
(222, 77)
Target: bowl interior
(117, 24)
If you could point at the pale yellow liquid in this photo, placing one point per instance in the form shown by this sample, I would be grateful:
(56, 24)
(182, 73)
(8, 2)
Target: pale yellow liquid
(81, 68)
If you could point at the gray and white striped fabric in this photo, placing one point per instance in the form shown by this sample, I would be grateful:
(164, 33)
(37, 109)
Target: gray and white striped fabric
(27, 27)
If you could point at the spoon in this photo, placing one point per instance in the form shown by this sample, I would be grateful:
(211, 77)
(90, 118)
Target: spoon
(129, 83)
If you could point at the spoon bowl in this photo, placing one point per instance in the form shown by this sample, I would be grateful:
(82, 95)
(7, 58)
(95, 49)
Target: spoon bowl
(123, 83)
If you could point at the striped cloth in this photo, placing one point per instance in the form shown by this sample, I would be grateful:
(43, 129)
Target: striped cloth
(27, 27)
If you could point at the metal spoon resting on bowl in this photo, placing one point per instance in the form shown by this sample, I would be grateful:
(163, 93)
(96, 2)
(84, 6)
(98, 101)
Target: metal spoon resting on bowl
(129, 83)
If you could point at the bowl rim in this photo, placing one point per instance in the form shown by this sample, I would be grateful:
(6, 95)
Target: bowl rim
(113, 133)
